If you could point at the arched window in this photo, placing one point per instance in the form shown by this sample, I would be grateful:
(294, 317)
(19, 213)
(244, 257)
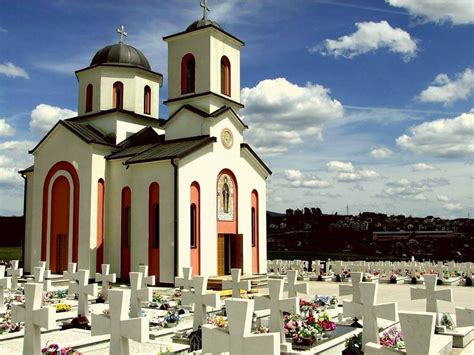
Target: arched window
(126, 231)
(147, 100)
(255, 227)
(188, 74)
(118, 95)
(225, 76)
(89, 97)
(254, 224)
(193, 225)
(100, 224)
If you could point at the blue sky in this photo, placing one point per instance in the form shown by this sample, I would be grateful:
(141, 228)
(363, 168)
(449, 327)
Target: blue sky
(367, 104)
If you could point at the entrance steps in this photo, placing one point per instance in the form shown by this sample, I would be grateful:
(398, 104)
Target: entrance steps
(256, 281)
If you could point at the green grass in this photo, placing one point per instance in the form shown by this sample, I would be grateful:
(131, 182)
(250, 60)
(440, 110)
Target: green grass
(10, 253)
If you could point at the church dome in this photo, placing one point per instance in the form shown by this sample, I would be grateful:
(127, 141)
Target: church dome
(202, 23)
(120, 53)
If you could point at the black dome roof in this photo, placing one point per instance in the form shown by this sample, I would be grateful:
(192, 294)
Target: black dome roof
(121, 53)
(202, 23)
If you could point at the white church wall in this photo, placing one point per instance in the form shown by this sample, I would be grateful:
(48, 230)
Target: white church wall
(86, 77)
(109, 76)
(62, 145)
(140, 83)
(185, 124)
(28, 266)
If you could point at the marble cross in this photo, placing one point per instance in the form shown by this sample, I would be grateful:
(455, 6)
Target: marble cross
(34, 316)
(146, 280)
(120, 327)
(69, 274)
(84, 289)
(431, 294)
(370, 311)
(338, 267)
(139, 294)
(15, 273)
(186, 281)
(235, 284)
(468, 268)
(316, 267)
(277, 305)
(354, 289)
(418, 333)
(440, 268)
(105, 278)
(237, 339)
(41, 275)
(5, 283)
(201, 300)
(292, 287)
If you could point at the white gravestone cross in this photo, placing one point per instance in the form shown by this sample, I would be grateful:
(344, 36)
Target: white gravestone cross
(186, 281)
(15, 273)
(464, 317)
(201, 300)
(354, 289)
(431, 294)
(316, 267)
(146, 280)
(118, 325)
(34, 317)
(292, 287)
(235, 284)
(277, 305)
(237, 339)
(105, 278)
(84, 289)
(418, 333)
(41, 275)
(139, 294)
(5, 283)
(69, 274)
(370, 311)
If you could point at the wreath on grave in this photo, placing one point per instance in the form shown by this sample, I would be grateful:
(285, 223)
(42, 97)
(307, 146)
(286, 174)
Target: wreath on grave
(392, 338)
(56, 349)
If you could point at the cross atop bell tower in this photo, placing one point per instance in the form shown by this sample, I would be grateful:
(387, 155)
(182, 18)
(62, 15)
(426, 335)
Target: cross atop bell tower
(205, 9)
(122, 33)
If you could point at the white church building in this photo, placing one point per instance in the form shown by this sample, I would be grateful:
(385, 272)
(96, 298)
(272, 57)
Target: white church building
(119, 185)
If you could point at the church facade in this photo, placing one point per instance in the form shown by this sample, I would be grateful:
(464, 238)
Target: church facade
(119, 185)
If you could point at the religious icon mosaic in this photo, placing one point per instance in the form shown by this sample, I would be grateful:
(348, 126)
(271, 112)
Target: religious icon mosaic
(225, 198)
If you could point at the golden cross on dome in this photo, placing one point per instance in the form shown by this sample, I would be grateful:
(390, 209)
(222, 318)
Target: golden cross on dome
(122, 33)
(205, 9)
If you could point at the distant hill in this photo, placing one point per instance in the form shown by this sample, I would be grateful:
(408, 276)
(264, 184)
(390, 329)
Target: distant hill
(12, 230)
(275, 214)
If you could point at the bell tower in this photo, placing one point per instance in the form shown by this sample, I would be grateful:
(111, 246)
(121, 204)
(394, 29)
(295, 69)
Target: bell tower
(203, 67)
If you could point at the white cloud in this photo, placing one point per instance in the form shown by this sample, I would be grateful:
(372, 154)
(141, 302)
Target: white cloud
(13, 157)
(297, 179)
(369, 37)
(340, 166)
(442, 198)
(5, 161)
(457, 12)
(421, 167)
(44, 116)
(357, 176)
(451, 137)
(282, 114)
(446, 91)
(381, 153)
(455, 207)
(12, 71)
(5, 129)
(420, 197)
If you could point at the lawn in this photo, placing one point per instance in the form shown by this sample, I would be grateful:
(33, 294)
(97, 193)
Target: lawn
(10, 253)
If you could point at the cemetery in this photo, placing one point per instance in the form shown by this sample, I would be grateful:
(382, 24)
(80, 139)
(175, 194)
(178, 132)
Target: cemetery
(79, 314)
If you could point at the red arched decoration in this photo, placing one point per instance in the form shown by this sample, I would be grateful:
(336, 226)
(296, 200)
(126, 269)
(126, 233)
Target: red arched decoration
(154, 230)
(188, 74)
(59, 235)
(254, 213)
(117, 95)
(126, 231)
(89, 97)
(195, 227)
(225, 76)
(100, 225)
(147, 100)
(229, 227)
(62, 165)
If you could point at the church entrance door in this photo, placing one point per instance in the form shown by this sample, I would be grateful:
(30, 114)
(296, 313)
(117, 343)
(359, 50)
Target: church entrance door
(229, 252)
(58, 257)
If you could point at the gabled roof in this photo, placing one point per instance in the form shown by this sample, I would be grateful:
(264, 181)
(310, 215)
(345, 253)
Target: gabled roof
(126, 112)
(191, 96)
(87, 133)
(176, 148)
(144, 136)
(27, 170)
(252, 152)
(204, 114)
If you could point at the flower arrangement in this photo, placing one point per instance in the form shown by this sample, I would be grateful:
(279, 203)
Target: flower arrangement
(447, 321)
(157, 322)
(261, 330)
(218, 321)
(56, 349)
(326, 323)
(354, 342)
(157, 297)
(7, 326)
(62, 307)
(308, 306)
(393, 278)
(305, 330)
(172, 318)
(392, 338)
